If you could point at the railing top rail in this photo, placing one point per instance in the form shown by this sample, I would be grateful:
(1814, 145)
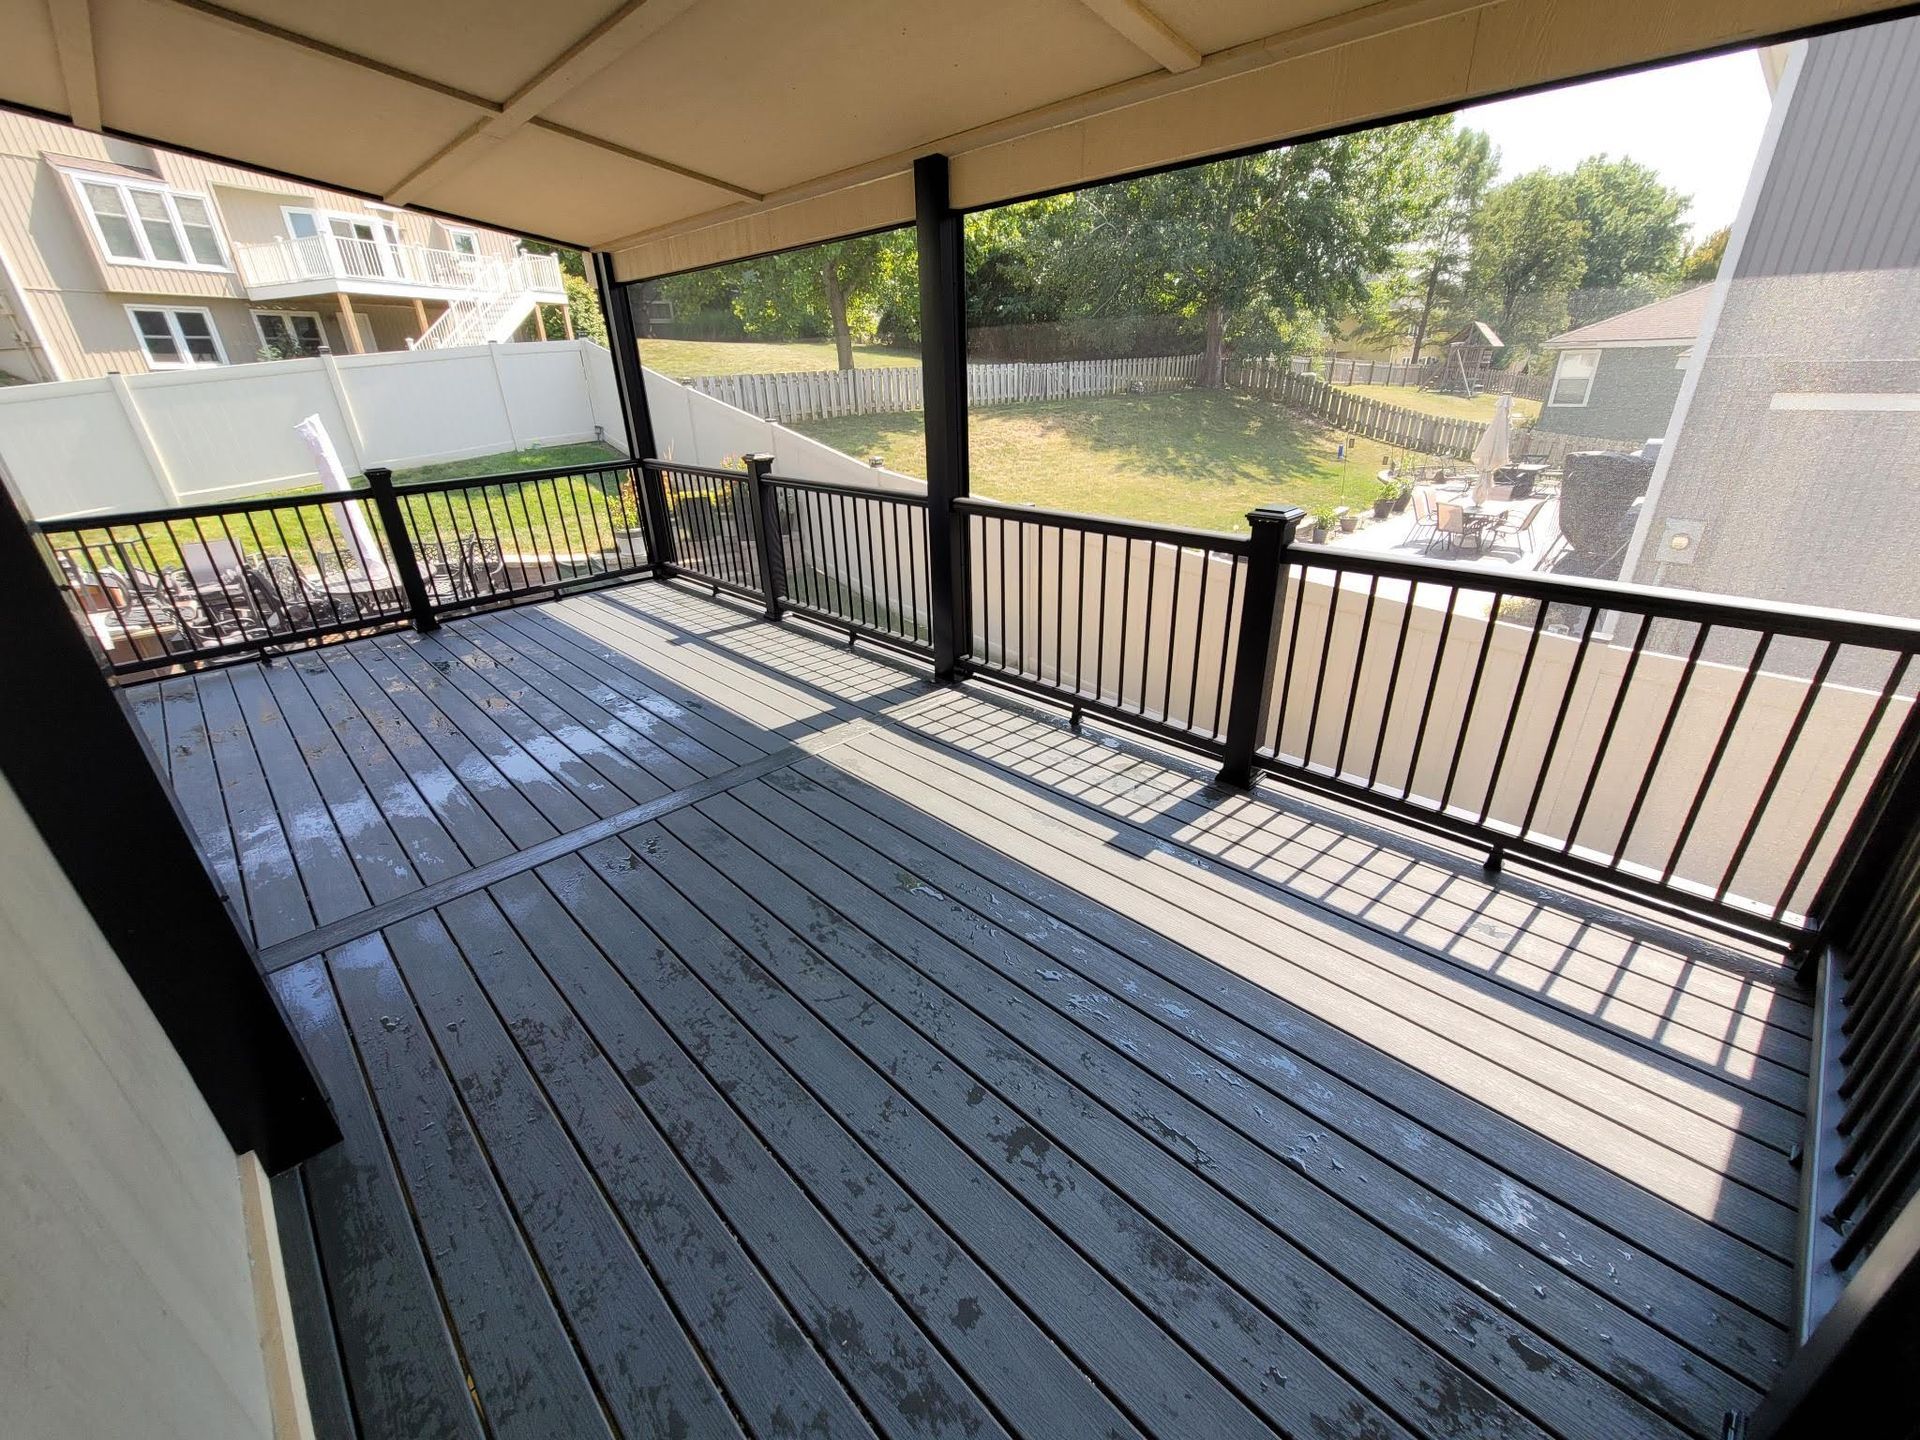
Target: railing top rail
(193, 512)
(312, 497)
(1219, 540)
(508, 477)
(677, 468)
(827, 487)
(1850, 627)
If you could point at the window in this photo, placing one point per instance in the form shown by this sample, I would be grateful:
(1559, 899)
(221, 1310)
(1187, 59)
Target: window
(175, 338)
(1573, 377)
(289, 333)
(146, 225)
(464, 242)
(364, 247)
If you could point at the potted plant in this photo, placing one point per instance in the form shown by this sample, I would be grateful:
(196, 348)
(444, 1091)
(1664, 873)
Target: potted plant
(1386, 491)
(1319, 523)
(1402, 494)
(1347, 519)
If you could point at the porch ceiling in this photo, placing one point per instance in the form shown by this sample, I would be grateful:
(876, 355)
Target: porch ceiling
(684, 132)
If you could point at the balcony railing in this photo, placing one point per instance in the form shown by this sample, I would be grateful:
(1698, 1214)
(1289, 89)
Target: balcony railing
(335, 259)
(1753, 767)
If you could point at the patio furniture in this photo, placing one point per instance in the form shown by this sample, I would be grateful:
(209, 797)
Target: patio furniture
(1423, 504)
(1457, 525)
(1518, 523)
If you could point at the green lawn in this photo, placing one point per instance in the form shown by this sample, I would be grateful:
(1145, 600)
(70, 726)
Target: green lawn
(1202, 458)
(547, 457)
(1451, 407)
(677, 359)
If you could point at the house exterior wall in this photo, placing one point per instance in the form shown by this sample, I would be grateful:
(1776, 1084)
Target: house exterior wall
(1631, 398)
(126, 1288)
(1813, 505)
(73, 299)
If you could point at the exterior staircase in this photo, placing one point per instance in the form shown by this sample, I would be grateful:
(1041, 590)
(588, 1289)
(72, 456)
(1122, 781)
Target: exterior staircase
(504, 294)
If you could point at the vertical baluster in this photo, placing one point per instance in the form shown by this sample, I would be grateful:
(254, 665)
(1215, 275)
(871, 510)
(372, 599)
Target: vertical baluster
(1353, 680)
(1759, 811)
(1703, 629)
(1473, 696)
(1734, 712)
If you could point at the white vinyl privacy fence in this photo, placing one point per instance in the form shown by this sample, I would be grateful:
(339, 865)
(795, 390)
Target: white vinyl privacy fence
(823, 394)
(182, 437)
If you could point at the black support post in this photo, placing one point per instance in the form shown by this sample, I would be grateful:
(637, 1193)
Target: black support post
(943, 370)
(83, 774)
(1273, 530)
(630, 381)
(413, 584)
(765, 518)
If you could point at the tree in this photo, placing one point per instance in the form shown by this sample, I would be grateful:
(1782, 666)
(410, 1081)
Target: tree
(1634, 224)
(1444, 245)
(583, 308)
(1701, 263)
(835, 288)
(1253, 245)
(1528, 250)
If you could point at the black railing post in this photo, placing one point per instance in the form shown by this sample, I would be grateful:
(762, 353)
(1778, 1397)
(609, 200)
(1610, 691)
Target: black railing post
(765, 519)
(1273, 529)
(637, 419)
(943, 372)
(386, 504)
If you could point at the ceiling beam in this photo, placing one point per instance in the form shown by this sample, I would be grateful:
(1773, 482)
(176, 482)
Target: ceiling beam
(73, 42)
(613, 37)
(565, 70)
(1147, 32)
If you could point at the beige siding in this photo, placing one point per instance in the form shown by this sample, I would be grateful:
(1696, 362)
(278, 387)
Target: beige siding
(75, 298)
(126, 1291)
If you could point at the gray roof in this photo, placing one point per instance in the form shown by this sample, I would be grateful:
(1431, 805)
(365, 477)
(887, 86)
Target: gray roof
(1676, 318)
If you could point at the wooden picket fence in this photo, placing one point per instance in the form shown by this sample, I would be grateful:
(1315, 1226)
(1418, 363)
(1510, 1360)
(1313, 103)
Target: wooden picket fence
(822, 394)
(1383, 372)
(1395, 425)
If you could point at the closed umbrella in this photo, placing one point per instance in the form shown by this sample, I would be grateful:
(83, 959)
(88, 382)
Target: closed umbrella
(1491, 453)
(361, 538)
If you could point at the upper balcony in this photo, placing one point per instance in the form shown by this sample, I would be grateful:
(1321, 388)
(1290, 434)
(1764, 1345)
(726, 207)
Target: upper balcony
(328, 264)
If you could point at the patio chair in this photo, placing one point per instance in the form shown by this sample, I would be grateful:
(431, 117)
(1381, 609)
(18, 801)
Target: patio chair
(484, 566)
(1422, 515)
(1452, 524)
(1521, 528)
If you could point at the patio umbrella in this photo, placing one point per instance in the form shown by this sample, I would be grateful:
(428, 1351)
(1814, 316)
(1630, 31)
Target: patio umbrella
(1491, 453)
(360, 536)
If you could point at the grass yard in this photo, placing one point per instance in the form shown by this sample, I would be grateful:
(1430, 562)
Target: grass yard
(548, 457)
(1202, 458)
(677, 359)
(1451, 407)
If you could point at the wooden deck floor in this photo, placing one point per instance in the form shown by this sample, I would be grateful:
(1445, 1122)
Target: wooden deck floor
(734, 1034)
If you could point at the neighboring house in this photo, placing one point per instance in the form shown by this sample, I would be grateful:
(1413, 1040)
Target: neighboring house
(117, 257)
(1617, 378)
(1791, 472)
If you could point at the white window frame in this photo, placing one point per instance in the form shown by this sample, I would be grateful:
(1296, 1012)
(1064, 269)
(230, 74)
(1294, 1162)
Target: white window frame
(453, 234)
(179, 337)
(78, 178)
(260, 330)
(1553, 390)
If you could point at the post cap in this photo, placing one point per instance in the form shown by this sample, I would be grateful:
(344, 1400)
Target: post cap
(1276, 514)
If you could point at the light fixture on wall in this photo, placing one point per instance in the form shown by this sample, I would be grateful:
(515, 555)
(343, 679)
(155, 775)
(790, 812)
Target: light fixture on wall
(1680, 541)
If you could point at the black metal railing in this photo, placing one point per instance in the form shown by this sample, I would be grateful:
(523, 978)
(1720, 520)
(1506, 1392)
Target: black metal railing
(710, 521)
(1861, 1162)
(1136, 623)
(1705, 752)
(168, 587)
(853, 558)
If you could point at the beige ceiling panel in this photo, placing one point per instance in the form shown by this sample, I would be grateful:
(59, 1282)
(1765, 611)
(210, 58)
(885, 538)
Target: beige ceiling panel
(254, 100)
(767, 93)
(852, 211)
(487, 47)
(1211, 25)
(541, 183)
(29, 64)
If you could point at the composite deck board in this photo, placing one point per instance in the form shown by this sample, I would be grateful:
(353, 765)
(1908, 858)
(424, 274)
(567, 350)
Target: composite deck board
(1352, 1103)
(1189, 1106)
(733, 1034)
(1581, 1086)
(313, 1321)
(1589, 954)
